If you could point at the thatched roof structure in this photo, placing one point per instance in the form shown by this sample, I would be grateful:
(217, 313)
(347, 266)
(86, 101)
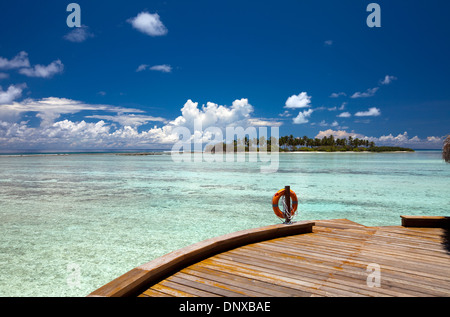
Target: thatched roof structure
(446, 150)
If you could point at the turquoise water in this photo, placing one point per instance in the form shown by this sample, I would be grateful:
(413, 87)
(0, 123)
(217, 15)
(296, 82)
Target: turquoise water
(71, 223)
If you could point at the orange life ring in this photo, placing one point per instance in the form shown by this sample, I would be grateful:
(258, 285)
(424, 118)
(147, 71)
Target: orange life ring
(277, 197)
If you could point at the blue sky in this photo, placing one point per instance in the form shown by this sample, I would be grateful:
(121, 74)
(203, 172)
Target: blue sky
(137, 69)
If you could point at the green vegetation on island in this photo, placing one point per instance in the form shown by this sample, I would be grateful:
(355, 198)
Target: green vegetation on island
(331, 144)
(305, 144)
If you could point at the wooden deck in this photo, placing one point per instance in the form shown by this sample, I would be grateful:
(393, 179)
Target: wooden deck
(338, 258)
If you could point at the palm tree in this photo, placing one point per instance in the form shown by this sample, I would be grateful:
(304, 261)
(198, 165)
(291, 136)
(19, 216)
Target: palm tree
(305, 140)
(446, 150)
(350, 141)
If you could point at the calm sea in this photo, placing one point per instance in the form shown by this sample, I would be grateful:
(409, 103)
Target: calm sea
(71, 223)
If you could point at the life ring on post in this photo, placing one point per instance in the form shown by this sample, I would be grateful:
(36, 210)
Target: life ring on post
(277, 197)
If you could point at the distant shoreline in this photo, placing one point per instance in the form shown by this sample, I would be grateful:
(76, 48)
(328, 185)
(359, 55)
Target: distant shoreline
(167, 152)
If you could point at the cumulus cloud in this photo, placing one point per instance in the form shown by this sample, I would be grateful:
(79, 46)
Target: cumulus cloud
(22, 63)
(42, 71)
(79, 34)
(149, 24)
(51, 108)
(301, 100)
(387, 80)
(142, 67)
(286, 113)
(401, 139)
(344, 115)
(162, 68)
(262, 122)
(302, 116)
(20, 60)
(368, 93)
(105, 134)
(12, 93)
(337, 94)
(372, 112)
(338, 134)
(132, 120)
(216, 115)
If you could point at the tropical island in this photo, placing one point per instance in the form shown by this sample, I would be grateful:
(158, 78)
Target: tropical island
(306, 144)
(330, 144)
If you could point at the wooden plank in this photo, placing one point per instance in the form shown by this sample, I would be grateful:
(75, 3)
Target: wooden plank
(160, 287)
(332, 260)
(194, 288)
(153, 293)
(213, 286)
(132, 282)
(425, 221)
(417, 293)
(307, 259)
(262, 276)
(239, 282)
(310, 280)
(341, 274)
(325, 277)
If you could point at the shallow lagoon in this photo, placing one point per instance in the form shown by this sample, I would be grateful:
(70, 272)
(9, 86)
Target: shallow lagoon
(71, 223)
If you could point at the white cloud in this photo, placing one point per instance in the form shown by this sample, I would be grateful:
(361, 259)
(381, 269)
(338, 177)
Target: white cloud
(261, 122)
(20, 60)
(337, 94)
(142, 67)
(387, 80)
(162, 68)
(372, 112)
(298, 101)
(12, 93)
(339, 134)
(401, 139)
(368, 93)
(49, 109)
(302, 117)
(344, 115)
(328, 43)
(4, 75)
(67, 134)
(286, 113)
(42, 71)
(132, 120)
(159, 68)
(149, 24)
(215, 115)
(79, 34)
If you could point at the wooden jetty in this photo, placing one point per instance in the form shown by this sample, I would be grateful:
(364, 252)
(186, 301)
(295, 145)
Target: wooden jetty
(321, 258)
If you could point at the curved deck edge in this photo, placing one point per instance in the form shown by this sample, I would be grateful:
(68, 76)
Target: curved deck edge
(149, 273)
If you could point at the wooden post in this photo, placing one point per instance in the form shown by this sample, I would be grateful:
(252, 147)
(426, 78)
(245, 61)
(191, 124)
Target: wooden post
(287, 198)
